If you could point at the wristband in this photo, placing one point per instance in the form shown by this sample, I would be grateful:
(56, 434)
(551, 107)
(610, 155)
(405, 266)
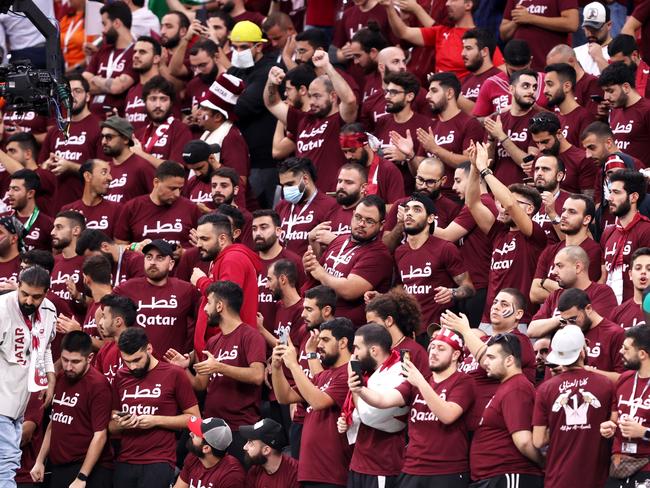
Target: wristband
(312, 355)
(504, 139)
(485, 172)
(82, 477)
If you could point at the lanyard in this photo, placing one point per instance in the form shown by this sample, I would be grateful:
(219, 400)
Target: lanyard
(119, 266)
(111, 65)
(32, 218)
(302, 210)
(72, 28)
(633, 407)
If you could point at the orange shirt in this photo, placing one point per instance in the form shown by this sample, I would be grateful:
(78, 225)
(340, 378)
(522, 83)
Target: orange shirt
(73, 37)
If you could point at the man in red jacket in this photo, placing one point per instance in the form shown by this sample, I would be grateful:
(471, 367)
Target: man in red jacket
(229, 261)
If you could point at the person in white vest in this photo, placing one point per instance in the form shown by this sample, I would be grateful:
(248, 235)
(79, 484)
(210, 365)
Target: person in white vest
(27, 329)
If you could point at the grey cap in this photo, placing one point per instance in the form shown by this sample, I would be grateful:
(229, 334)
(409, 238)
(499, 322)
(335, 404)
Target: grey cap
(214, 431)
(121, 126)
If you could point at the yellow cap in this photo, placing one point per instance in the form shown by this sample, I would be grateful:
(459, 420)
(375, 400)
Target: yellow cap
(246, 31)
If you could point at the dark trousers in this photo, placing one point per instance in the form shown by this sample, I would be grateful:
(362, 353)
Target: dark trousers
(473, 307)
(360, 480)
(35, 54)
(295, 435)
(157, 475)
(64, 475)
(510, 480)
(309, 484)
(236, 447)
(459, 480)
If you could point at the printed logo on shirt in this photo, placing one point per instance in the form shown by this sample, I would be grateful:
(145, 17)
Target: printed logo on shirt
(154, 319)
(313, 144)
(138, 393)
(288, 234)
(101, 224)
(575, 404)
(507, 248)
(427, 415)
(263, 293)
(64, 401)
(610, 253)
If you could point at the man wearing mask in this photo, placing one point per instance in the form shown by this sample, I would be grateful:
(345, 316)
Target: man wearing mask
(146, 63)
(146, 421)
(110, 71)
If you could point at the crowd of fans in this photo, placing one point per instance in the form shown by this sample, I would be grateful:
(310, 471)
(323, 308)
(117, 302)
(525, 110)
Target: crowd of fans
(372, 244)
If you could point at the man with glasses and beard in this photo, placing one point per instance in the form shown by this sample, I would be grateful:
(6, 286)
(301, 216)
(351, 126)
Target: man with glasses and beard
(151, 400)
(350, 189)
(354, 264)
(63, 154)
(110, 71)
(146, 63)
(76, 440)
(208, 463)
(438, 410)
(269, 468)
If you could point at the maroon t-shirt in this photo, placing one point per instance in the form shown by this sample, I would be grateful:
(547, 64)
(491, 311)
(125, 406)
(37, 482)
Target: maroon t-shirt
(38, 236)
(493, 452)
(79, 409)
(580, 172)
(235, 155)
(602, 299)
(199, 191)
(132, 266)
(452, 453)
(227, 473)
(165, 390)
(475, 247)
(628, 314)
(167, 312)
(542, 219)
(317, 138)
(390, 186)
(355, 19)
(604, 344)
(591, 247)
(28, 121)
(165, 141)
(495, 97)
(9, 270)
(289, 320)
(142, 219)
(631, 128)
(135, 111)
(514, 257)
(641, 13)
(370, 261)
(298, 220)
(540, 40)
(109, 62)
(324, 453)
(286, 475)
(236, 402)
(103, 216)
(373, 110)
(422, 270)
(341, 218)
(419, 355)
(516, 127)
(66, 269)
(446, 211)
(108, 360)
(472, 83)
(195, 91)
(631, 400)
(132, 178)
(89, 325)
(572, 405)
(574, 123)
(584, 89)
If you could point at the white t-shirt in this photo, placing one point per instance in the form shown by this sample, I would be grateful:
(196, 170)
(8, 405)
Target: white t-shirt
(587, 62)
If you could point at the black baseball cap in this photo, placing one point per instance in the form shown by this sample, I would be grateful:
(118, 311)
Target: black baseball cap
(165, 248)
(198, 150)
(266, 430)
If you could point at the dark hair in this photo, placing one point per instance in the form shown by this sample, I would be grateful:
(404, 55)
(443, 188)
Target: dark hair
(268, 212)
(642, 251)
(353, 128)
(590, 206)
(76, 219)
(370, 37)
(624, 44)
(362, 170)
(228, 21)
(220, 223)
(121, 306)
(118, 10)
(617, 74)
(88, 167)
(514, 77)
(80, 79)
(132, 340)
(35, 276)
(298, 165)
(465, 166)
(288, 269)
(77, 341)
(226, 172)
(232, 213)
(229, 292)
(484, 38)
(518, 297)
(30, 178)
(323, 296)
(446, 80)
(207, 45)
(340, 328)
(407, 80)
(527, 192)
(573, 297)
(38, 257)
(640, 335)
(315, 37)
(157, 48)
(598, 128)
(375, 335)
(510, 345)
(517, 53)
(183, 20)
(169, 169)
(301, 75)
(633, 182)
(401, 306)
(565, 72)
(544, 122)
(375, 201)
(91, 240)
(98, 268)
(160, 84)
(26, 141)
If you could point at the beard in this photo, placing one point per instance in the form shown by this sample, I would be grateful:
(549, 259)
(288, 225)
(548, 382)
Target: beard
(209, 254)
(73, 377)
(623, 209)
(158, 119)
(554, 150)
(264, 245)
(155, 274)
(224, 199)
(197, 451)
(557, 99)
(59, 244)
(228, 7)
(111, 151)
(111, 36)
(368, 364)
(143, 68)
(329, 360)
(323, 112)
(416, 229)
(214, 319)
(27, 309)
(570, 231)
(395, 108)
(142, 372)
(77, 108)
(171, 42)
(362, 239)
(474, 66)
(440, 367)
(277, 294)
(257, 460)
(437, 109)
(632, 364)
(346, 199)
(209, 78)
(586, 325)
(545, 187)
(523, 104)
(363, 159)
(432, 194)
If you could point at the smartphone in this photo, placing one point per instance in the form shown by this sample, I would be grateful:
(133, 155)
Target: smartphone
(404, 354)
(202, 15)
(356, 369)
(284, 337)
(529, 158)
(123, 414)
(597, 98)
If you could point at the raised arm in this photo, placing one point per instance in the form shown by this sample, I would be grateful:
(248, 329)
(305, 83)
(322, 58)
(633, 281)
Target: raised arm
(482, 214)
(399, 27)
(347, 100)
(272, 100)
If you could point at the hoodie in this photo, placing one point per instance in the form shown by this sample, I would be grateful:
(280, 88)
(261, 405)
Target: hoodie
(236, 263)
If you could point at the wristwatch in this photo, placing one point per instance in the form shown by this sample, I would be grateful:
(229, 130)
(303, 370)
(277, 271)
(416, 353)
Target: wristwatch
(312, 355)
(82, 477)
(646, 435)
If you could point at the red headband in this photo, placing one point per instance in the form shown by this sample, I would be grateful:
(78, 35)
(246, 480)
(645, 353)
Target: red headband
(353, 140)
(450, 337)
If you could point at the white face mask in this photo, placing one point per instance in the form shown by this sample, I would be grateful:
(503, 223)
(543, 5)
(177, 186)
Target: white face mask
(242, 59)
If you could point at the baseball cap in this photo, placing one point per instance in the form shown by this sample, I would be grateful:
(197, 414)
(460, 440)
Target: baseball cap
(614, 161)
(566, 345)
(121, 126)
(9, 223)
(197, 151)
(246, 31)
(595, 15)
(213, 430)
(165, 248)
(266, 430)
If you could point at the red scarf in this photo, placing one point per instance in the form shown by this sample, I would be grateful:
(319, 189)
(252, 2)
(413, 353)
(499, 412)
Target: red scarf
(373, 177)
(625, 232)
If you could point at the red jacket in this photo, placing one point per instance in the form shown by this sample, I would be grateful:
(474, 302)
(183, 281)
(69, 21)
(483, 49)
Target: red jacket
(236, 263)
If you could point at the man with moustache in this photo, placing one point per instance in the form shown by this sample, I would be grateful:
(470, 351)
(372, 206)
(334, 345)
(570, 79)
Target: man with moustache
(356, 263)
(203, 69)
(269, 468)
(208, 463)
(350, 189)
(163, 136)
(100, 213)
(548, 173)
(64, 155)
(630, 312)
(597, 25)
(542, 348)
(151, 400)
(146, 63)
(439, 407)
(479, 46)
(173, 27)
(76, 441)
(167, 306)
(10, 258)
(199, 158)
(110, 71)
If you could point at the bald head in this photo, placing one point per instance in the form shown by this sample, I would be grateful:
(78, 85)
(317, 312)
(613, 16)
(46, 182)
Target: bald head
(575, 254)
(391, 59)
(561, 54)
(433, 165)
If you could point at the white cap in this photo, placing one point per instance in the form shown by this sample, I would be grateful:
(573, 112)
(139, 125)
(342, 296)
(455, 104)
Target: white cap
(595, 15)
(566, 345)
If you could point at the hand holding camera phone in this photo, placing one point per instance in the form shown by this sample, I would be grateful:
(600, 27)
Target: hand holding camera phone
(355, 365)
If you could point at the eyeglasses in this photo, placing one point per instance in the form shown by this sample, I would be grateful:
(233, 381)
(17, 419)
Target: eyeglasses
(501, 338)
(428, 182)
(523, 202)
(392, 92)
(109, 137)
(569, 321)
(364, 220)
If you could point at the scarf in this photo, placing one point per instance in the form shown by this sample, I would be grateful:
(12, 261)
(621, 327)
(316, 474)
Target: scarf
(617, 260)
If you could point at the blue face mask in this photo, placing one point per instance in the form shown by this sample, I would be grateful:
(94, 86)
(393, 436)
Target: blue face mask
(293, 194)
